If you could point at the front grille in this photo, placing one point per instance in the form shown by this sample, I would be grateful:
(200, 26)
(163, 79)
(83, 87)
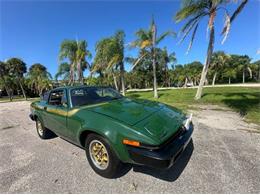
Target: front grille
(177, 134)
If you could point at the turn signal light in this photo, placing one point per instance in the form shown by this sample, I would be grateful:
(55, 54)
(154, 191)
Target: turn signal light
(131, 142)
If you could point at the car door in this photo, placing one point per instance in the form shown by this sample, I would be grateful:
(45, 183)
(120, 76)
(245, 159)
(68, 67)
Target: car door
(56, 112)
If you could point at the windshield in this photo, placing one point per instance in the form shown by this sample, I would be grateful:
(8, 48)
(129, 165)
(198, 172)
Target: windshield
(93, 95)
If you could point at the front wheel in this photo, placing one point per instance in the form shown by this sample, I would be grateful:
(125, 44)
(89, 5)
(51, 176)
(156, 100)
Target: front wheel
(101, 156)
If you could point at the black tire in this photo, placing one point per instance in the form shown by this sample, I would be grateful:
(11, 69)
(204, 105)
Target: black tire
(114, 164)
(41, 130)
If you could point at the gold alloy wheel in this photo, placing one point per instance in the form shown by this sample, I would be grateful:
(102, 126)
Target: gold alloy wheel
(98, 154)
(39, 127)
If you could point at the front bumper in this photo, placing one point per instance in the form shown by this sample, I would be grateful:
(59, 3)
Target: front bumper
(166, 154)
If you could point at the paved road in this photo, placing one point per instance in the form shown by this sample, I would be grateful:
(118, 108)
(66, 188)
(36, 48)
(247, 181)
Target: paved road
(220, 160)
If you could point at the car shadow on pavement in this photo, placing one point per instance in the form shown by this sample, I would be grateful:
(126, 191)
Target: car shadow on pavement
(172, 173)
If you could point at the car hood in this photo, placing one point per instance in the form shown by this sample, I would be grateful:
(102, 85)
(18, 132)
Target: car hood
(153, 119)
(127, 110)
(163, 124)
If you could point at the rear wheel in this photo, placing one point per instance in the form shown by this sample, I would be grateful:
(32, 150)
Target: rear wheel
(101, 156)
(41, 130)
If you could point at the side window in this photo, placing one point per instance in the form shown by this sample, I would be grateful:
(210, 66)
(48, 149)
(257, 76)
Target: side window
(45, 96)
(105, 92)
(108, 93)
(57, 97)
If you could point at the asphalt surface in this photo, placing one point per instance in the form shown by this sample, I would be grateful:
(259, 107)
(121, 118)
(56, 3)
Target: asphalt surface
(219, 160)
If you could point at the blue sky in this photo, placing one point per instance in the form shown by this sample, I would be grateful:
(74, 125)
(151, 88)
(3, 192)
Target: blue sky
(33, 30)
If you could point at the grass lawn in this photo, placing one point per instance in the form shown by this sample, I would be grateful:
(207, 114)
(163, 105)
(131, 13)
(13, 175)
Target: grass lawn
(245, 100)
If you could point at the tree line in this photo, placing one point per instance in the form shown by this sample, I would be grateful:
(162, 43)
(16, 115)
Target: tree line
(153, 66)
(224, 68)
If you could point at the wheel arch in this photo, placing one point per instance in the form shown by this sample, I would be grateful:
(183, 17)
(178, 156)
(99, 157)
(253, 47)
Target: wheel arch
(83, 135)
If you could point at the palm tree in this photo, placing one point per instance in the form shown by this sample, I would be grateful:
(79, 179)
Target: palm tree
(75, 52)
(229, 72)
(68, 51)
(39, 78)
(105, 59)
(244, 63)
(63, 71)
(81, 61)
(241, 63)
(218, 61)
(110, 56)
(147, 41)
(119, 39)
(167, 58)
(5, 80)
(195, 11)
(17, 68)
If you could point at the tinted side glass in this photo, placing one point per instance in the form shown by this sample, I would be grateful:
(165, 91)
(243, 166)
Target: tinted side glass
(56, 97)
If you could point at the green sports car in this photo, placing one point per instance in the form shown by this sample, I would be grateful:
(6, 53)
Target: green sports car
(113, 129)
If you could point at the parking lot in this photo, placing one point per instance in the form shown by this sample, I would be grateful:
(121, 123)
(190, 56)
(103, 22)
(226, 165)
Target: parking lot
(224, 157)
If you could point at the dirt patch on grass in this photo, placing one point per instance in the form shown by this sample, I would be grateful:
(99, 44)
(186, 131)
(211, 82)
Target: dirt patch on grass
(219, 117)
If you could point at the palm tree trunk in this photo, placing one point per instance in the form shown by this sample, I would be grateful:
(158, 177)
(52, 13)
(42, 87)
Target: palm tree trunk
(115, 82)
(11, 94)
(154, 64)
(185, 83)
(214, 78)
(206, 66)
(71, 81)
(8, 91)
(154, 77)
(229, 80)
(21, 86)
(122, 78)
(41, 91)
(243, 75)
(80, 73)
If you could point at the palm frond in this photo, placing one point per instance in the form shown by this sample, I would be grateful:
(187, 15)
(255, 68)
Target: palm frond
(145, 43)
(250, 71)
(114, 61)
(163, 35)
(188, 31)
(226, 27)
(192, 20)
(190, 9)
(138, 60)
(142, 34)
(94, 68)
(236, 12)
(130, 60)
(134, 44)
(192, 38)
